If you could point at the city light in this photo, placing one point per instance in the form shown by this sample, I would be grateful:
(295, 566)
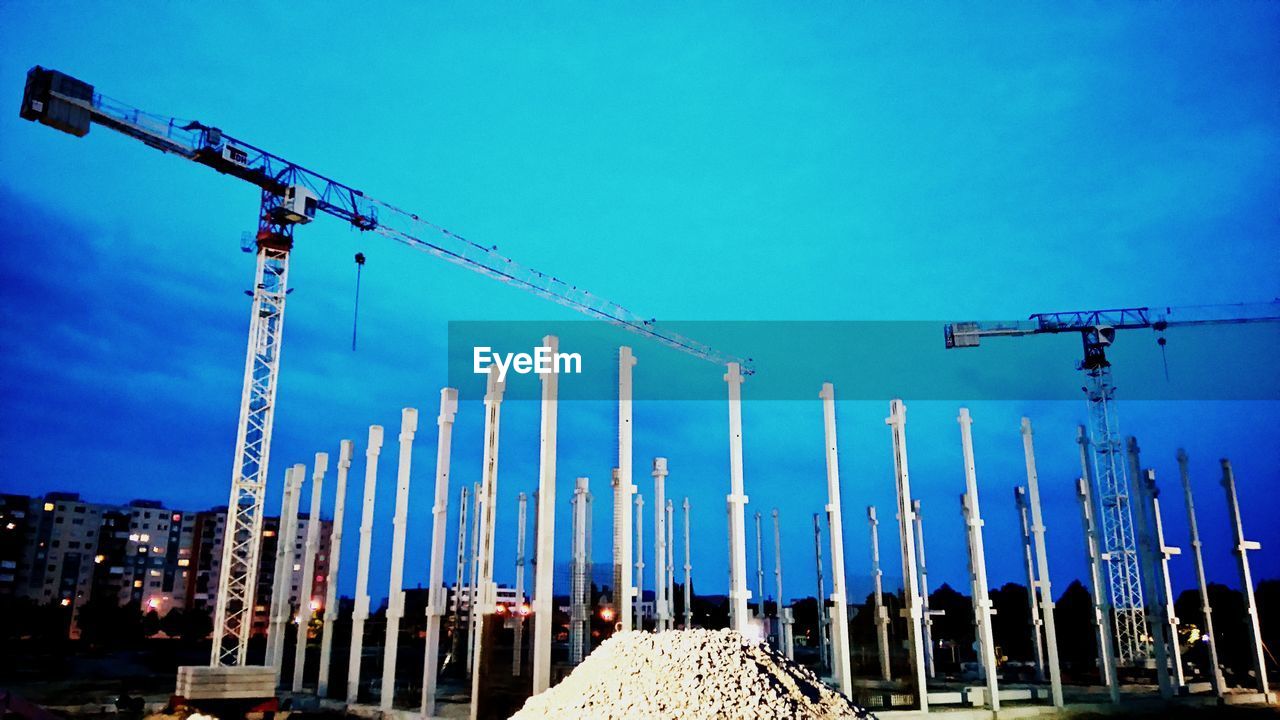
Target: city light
(606, 614)
(66, 602)
(524, 608)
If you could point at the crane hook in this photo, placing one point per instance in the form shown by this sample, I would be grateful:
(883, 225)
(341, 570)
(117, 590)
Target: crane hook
(355, 321)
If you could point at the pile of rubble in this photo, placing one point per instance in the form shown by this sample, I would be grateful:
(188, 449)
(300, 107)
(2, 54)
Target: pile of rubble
(689, 674)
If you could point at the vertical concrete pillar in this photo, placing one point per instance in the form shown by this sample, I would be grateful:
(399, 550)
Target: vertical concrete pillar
(484, 601)
(1215, 672)
(924, 591)
(437, 594)
(395, 588)
(978, 564)
(1028, 557)
(784, 619)
(579, 590)
(283, 568)
(661, 603)
(312, 544)
(840, 602)
(688, 572)
(544, 576)
(1170, 615)
(671, 565)
(914, 610)
(473, 558)
(824, 631)
(345, 449)
(360, 612)
(1147, 551)
(459, 584)
(1042, 562)
(882, 613)
(1105, 640)
(639, 562)
(1241, 550)
(624, 592)
(759, 572)
(517, 657)
(737, 499)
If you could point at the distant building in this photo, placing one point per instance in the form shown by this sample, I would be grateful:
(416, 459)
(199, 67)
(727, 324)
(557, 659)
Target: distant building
(207, 532)
(15, 512)
(59, 548)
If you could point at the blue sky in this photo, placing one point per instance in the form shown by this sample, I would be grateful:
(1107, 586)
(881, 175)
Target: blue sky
(918, 161)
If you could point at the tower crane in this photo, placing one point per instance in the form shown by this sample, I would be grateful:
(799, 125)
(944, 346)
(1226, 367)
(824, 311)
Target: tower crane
(292, 195)
(1097, 329)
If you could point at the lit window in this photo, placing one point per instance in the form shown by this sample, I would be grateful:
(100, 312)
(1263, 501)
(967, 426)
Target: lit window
(183, 562)
(137, 583)
(99, 559)
(144, 538)
(48, 507)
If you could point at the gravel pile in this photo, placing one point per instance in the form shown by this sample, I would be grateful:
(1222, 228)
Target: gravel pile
(688, 674)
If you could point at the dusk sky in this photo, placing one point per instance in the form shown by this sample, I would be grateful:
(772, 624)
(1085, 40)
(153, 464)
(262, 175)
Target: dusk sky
(906, 161)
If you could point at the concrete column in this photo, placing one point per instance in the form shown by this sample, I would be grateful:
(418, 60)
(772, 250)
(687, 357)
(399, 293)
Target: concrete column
(1241, 550)
(312, 544)
(759, 572)
(624, 592)
(288, 537)
(459, 584)
(737, 499)
(437, 594)
(473, 557)
(274, 625)
(485, 601)
(978, 586)
(882, 613)
(1215, 675)
(784, 619)
(544, 576)
(1105, 640)
(517, 657)
(661, 602)
(1042, 562)
(345, 450)
(1170, 615)
(1028, 556)
(640, 562)
(395, 589)
(360, 612)
(840, 665)
(579, 616)
(1147, 551)
(688, 572)
(924, 591)
(824, 632)
(671, 565)
(914, 610)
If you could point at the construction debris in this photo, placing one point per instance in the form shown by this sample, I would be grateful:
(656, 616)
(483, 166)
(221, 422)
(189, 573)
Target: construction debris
(689, 674)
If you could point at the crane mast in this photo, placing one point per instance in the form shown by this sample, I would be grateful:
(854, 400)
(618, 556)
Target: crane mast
(1097, 329)
(292, 195)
